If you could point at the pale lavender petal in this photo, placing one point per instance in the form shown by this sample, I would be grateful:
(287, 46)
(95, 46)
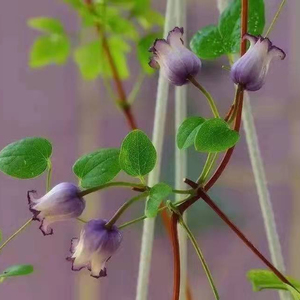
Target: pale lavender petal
(45, 229)
(153, 63)
(160, 47)
(175, 37)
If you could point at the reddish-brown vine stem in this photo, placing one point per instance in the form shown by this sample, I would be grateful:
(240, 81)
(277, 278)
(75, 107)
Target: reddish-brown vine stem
(176, 256)
(123, 103)
(216, 209)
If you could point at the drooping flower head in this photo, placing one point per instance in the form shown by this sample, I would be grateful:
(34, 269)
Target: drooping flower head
(175, 60)
(94, 247)
(61, 203)
(251, 69)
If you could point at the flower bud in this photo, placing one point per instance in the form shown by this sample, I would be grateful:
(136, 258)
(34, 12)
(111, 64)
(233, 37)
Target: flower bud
(95, 247)
(251, 69)
(176, 62)
(61, 203)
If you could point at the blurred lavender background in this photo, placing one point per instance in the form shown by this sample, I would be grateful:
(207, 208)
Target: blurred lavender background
(78, 117)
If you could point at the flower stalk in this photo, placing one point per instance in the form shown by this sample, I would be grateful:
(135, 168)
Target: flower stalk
(123, 208)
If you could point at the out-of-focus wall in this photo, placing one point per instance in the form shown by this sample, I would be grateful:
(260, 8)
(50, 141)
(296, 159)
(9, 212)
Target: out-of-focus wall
(78, 117)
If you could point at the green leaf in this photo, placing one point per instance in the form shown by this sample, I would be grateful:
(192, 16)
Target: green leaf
(26, 158)
(207, 43)
(140, 7)
(49, 49)
(150, 18)
(215, 135)
(265, 279)
(142, 51)
(187, 131)
(17, 270)
(230, 23)
(47, 25)
(138, 155)
(121, 26)
(98, 167)
(76, 4)
(158, 193)
(92, 61)
(88, 59)
(213, 41)
(295, 294)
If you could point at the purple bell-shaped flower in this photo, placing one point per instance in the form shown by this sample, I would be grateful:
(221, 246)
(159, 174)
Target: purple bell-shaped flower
(61, 203)
(94, 247)
(251, 69)
(175, 61)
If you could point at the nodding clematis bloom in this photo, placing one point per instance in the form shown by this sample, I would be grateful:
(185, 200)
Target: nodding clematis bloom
(61, 203)
(251, 69)
(175, 60)
(95, 247)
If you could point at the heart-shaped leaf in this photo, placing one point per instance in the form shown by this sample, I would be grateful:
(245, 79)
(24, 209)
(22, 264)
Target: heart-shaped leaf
(26, 158)
(138, 155)
(187, 131)
(207, 43)
(215, 135)
(98, 167)
(158, 193)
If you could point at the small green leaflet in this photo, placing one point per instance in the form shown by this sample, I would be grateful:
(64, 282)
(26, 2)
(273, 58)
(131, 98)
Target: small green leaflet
(98, 167)
(142, 51)
(158, 193)
(92, 61)
(46, 25)
(150, 18)
(17, 270)
(213, 41)
(138, 155)
(117, 24)
(215, 135)
(26, 158)
(187, 132)
(51, 48)
(265, 279)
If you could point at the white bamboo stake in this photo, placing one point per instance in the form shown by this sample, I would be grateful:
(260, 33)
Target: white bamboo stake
(261, 181)
(157, 139)
(262, 190)
(181, 156)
